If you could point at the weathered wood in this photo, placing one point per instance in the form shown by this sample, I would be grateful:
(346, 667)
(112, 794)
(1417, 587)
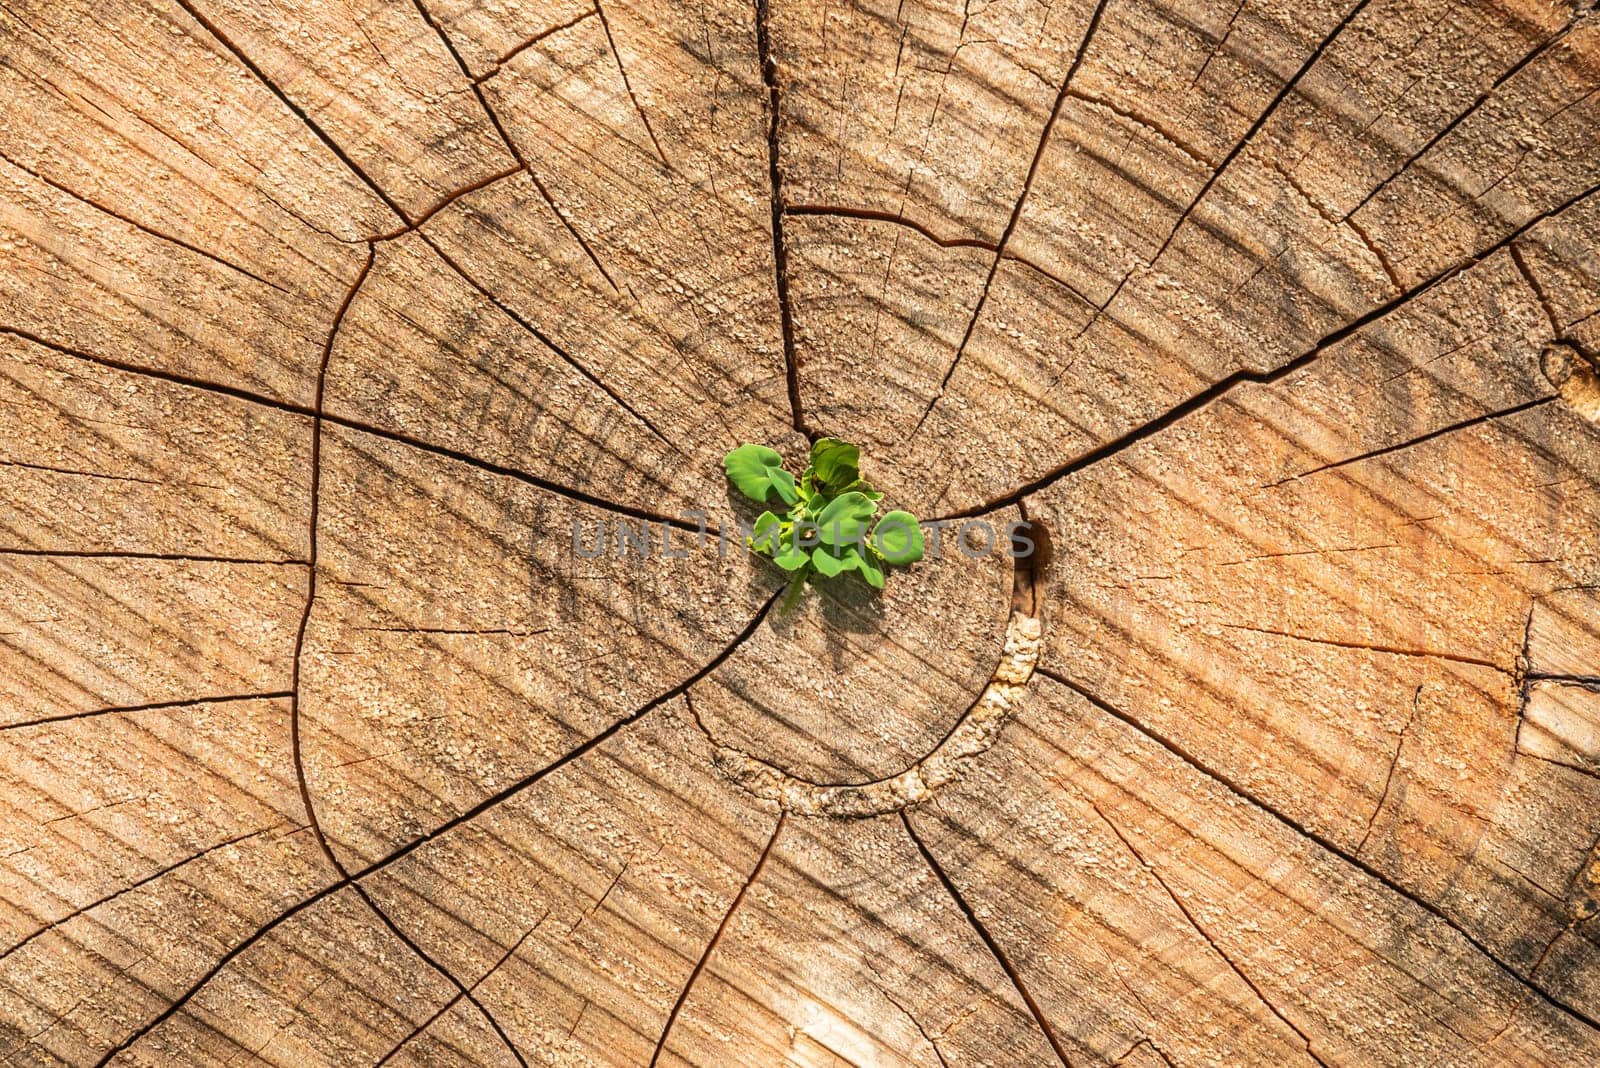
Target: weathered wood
(324, 326)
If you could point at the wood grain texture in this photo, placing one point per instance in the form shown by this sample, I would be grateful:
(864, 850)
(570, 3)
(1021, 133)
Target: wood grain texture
(334, 336)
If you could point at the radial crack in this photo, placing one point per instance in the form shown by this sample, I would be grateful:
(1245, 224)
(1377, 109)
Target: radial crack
(780, 253)
(1465, 424)
(156, 706)
(1225, 386)
(1373, 647)
(605, 24)
(136, 884)
(716, 937)
(1016, 209)
(412, 846)
(1233, 153)
(1194, 922)
(988, 940)
(549, 343)
(1462, 116)
(299, 112)
(417, 1031)
(1322, 841)
(141, 227)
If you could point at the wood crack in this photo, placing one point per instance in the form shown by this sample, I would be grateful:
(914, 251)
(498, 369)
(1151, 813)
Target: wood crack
(1375, 647)
(349, 423)
(1388, 780)
(154, 706)
(299, 112)
(1471, 108)
(1016, 210)
(988, 940)
(141, 227)
(1223, 387)
(605, 24)
(296, 683)
(1322, 841)
(716, 937)
(1465, 424)
(401, 852)
(137, 883)
(549, 343)
(455, 1000)
(1227, 160)
(780, 253)
(1194, 922)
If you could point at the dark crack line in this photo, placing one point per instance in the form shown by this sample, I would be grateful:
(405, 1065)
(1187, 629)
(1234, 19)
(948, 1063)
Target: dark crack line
(141, 227)
(716, 937)
(123, 554)
(874, 215)
(456, 1000)
(136, 884)
(1016, 210)
(1194, 922)
(1538, 290)
(605, 24)
(1233, 154)
(1373, 647)
(523, 46)
(1465, 424)
(299, 112)
(1388, 780)
(79, 473)
(780, 252)
(1471, 109)
(1327, 844)
(548, 342)
(412, 846)
(538, 482)
(988, 939)
(155, 706)
(1224, 386)
(446, 201)
(299, 648)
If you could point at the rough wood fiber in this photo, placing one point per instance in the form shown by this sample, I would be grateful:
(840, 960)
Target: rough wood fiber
(322, 325)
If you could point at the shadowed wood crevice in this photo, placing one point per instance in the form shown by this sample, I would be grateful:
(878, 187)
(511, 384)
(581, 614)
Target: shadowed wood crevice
(780, 250)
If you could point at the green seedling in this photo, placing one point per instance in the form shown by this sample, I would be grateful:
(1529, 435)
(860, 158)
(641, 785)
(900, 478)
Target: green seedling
(826, 527)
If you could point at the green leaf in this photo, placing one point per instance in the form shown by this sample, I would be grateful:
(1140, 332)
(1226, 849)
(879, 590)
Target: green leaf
(789, 557)
(869, 569)
(783, 482)
(764, 535)
(899, 538)
(844, 521)
(836, 463)
(831, 562)
(750, 469)
(863, 487)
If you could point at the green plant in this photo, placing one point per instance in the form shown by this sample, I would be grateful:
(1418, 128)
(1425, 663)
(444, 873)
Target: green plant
(829, 510)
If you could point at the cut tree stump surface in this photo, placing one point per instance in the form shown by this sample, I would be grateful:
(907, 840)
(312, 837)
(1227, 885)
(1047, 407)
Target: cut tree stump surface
(324, 325)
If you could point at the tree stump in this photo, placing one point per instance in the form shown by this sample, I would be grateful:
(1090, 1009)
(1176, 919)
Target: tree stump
(325, 327)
